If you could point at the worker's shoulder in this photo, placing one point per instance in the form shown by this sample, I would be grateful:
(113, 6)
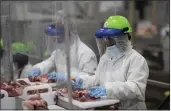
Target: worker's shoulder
(55, 52)
(136, 56)
(84, 49)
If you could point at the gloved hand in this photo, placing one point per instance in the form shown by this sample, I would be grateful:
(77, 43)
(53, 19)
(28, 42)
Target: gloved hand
(34, 72)
(97, 91)
(59, 76)
(77, 84)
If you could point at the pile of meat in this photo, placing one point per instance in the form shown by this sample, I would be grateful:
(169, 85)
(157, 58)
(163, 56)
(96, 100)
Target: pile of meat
(36, 103)
(42, 78)
(80, 95)
(14, 88)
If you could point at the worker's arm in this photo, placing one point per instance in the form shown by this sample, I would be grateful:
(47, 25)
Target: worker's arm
(87, 67)
(48, 65)
(135, 86)
(87, 63)
(90, 80)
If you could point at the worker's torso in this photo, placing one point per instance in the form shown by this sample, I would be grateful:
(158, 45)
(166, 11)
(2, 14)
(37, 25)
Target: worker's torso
(113, 70)
(76, 52)
(23, 73)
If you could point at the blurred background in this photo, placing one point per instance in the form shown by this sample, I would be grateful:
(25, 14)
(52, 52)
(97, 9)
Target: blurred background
(26, 21)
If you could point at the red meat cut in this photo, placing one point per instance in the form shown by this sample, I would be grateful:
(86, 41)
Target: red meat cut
(42, 78)
(13, 88)
(80, 95)
(36, 103)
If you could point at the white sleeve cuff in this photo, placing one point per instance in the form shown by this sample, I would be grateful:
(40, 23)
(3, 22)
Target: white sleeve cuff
(109, 90)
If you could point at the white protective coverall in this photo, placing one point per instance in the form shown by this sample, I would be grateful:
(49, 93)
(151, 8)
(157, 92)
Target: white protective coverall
(82, 58)
(123, 73)
(27, 68)
(165, 42)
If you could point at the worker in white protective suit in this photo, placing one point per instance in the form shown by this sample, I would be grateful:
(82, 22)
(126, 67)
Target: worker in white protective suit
(21, 64)
(165, 41)
(122, 72)
(82, 59)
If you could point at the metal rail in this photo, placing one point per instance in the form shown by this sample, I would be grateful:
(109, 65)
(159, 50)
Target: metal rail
(158, 83)
(67, 43)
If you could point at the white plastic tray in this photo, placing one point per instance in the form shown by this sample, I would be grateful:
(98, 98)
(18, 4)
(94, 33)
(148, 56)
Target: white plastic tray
(15, 102)
(51, 107)
(92, 104)
(48, 96)
(7, 103)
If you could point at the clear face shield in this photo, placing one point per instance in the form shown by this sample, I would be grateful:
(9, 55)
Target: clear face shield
(106, 37)
(54, 37)
(55, 32)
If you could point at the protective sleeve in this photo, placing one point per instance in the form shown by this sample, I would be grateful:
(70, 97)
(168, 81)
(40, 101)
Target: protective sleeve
(135, 86)
(87, 64)
(90, 81)
(47, 65)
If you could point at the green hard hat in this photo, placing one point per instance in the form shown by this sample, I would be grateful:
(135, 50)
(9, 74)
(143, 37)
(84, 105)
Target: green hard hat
(45, 54)
(19, 47)
(30, 46)
(1, 43)
(117, 22)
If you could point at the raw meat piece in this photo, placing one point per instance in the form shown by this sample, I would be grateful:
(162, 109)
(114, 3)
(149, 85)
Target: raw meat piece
(42, 78)
(8, 88)
(3, 85)
(22, 82)
(33, 79)
(51, 81)
(13, 88)
(14, 92)
(15, 84)
(80, 95)
(36, 103)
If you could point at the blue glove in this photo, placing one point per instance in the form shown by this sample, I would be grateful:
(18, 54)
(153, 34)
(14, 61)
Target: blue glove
(97, 91)
(34, 72)
(77, 84)
(58, 76)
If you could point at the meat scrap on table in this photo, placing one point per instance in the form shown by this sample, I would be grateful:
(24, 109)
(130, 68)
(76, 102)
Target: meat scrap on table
(14, 88)
(80, 95)
(42, 78)
(36, 103)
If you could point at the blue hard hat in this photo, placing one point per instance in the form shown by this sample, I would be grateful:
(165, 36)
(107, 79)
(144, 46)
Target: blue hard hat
(52, 30)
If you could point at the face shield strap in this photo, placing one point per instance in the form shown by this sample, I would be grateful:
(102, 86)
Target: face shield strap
(126, 29)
